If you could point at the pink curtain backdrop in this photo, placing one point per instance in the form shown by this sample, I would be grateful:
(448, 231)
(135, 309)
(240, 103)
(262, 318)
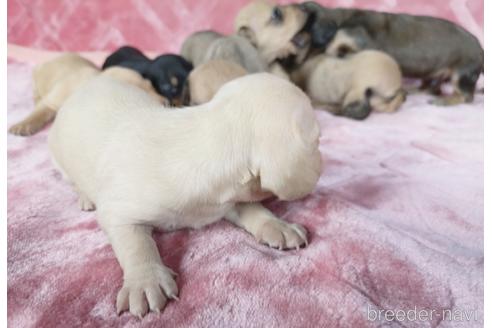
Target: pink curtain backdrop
(161, 26)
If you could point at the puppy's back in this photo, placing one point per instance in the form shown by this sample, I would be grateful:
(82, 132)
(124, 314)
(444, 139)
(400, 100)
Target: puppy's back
(101, 110)
(205, 80)
(69, 70)
(196, 45)
(238, 50)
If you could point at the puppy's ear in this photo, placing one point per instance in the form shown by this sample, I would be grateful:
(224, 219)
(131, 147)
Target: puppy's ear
(322, 33)
(248, 34)
(290, 164)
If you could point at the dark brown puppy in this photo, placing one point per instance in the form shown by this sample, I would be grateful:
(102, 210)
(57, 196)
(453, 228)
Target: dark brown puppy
(432, 49)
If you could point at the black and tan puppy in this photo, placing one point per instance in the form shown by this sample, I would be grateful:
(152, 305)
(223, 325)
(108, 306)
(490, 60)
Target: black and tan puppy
(167, 73)
(428, 48)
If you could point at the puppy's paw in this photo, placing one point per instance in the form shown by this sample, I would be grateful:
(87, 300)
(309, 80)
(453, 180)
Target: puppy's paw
(86, 204)
(24, 129)
(146, 288)
(282, 235)
(439, 102)
(448, 100)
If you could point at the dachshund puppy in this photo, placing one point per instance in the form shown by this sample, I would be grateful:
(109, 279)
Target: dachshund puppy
(352, 86)
(428, 48)
(271, 29)
(242, 159)
(167, 73)
(205, 46)
(55, 80)
(205, 80)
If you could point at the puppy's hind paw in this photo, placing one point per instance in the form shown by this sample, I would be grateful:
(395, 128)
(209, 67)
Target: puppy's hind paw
(86, 204)
(282, 235)
(24, 129)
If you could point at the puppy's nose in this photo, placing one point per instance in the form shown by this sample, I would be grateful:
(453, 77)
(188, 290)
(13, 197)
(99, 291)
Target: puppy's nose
(357, 110)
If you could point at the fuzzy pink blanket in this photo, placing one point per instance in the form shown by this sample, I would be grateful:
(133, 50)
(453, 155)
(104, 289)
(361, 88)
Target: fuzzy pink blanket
(395, 225)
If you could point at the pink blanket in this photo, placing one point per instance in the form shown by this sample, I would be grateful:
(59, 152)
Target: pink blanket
(395, 223)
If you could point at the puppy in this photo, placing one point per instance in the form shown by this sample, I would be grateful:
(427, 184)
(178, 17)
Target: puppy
(428, 48)
(271, 29)
(108, 141)
(205, 80)
(353, 86)
(167, 73)
(55, 80)
(205, 46)
(195, 46)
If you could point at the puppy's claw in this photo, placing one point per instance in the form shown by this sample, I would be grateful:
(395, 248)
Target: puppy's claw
(174, 297)
(282, 235)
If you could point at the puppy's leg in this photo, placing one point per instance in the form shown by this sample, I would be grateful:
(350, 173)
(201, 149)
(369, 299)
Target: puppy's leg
(464, 83)
(38, 119)
(147, 282)
(267, 228)
(84, 201)
(432, 85)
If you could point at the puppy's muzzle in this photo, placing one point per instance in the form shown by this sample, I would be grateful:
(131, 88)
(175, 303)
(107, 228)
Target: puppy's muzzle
(358, 110)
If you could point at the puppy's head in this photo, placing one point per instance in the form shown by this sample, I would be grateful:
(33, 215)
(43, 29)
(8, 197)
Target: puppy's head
(271, 28)
(168, 74)
(282, 130)
(130, 76)
(377, 80)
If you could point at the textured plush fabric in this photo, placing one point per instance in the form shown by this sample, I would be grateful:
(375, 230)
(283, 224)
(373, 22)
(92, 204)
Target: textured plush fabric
(162, 25)
(396, 222)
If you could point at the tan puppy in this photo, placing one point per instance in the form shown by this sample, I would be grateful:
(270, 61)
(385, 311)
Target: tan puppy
(204, 46)
(205, 80)
(55, 80)
(270, 28)
(352, 86)
(143, 166)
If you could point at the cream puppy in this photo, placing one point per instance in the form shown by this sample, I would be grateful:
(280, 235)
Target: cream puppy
(143, 166)
(272, 29)
(205, 80)
(55, 80)
(352, 86)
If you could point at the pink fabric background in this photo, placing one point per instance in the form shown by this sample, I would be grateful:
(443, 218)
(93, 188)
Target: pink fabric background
(157, 25)
(396, 220)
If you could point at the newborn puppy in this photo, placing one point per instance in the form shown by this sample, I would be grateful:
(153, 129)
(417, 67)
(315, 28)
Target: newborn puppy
(205, 80)
(353, 86)
(204, 46)
(271, 29)
(167, 73)
(432, 49)
(108, 141)
(55, 80)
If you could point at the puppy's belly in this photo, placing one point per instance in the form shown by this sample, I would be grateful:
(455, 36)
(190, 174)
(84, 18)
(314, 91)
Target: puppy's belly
(194, 218)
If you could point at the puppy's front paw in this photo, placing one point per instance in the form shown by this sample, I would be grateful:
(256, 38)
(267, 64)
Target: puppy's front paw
(282, 235)
(146, 287)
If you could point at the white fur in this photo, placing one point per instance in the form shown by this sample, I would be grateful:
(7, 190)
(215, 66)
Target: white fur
(144, 166)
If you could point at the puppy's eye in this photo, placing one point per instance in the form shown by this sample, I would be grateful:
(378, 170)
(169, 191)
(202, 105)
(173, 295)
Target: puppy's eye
(277, 16)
